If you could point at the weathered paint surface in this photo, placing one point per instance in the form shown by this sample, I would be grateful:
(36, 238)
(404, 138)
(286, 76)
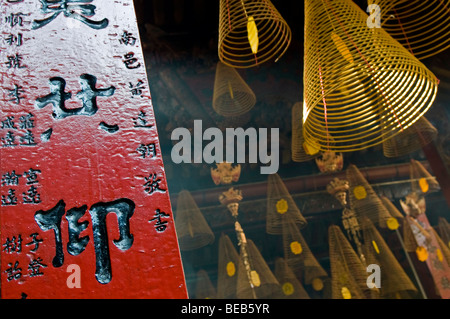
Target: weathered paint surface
(83, 182)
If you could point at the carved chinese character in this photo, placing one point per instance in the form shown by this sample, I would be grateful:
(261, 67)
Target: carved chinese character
(130, 61)
(34, 241)
(13, 245)
(72, 9)
(127, 38)
(152, 184)
(13, 272)
(9, 140)
(14, 62)
(31, 196)
(148, 150)
(35, 266)
(16, 94)
(12, 39)
(10, 178)
(9, 123)
(10, 199)
(141, 121)
(160, 225)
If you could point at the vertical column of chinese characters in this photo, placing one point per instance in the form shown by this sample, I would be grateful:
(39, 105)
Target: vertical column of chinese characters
(15, 27)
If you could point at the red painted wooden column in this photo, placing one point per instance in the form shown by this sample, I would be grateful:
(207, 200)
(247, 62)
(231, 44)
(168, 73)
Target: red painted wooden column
(85, 210)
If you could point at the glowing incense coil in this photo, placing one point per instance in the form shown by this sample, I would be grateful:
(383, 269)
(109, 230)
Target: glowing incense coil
(232, 97)
(261, 283)
(251, 32)
(297, 253)
(412, 139)
(422, 182)
(204, 288)
(386, 91)
(227, 269)
(279, 204)
(291, 287)
(298, 152)
(422, 27)
(348, 275)
(192, 228)
(363, 199)
(392, 223)
(394, 281)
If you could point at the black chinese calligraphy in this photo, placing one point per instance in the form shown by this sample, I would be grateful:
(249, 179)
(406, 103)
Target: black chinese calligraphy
(88, 95)
(136, 90)
(130, 61)
(26, 122)
(32, 195)
(151, 184)
(15, 19)
(14, 39)
(160, 225)
(75, 9)
(51, 220)
(147, 150)
(141, 121)
(127, 38)
(15, 62)
(109, 128)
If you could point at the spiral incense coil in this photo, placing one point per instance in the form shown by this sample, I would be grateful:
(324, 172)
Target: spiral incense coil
(280, 204)
(227, 269)
(298, 151)
(412, 139)
(422, 182)
(422, 27)
(348, 274)
(291, 287)
(260, 283)
(192, 228)
(232, 97)
(363, 199)
(298, 255)
(251, 32)
(394, 281)
(204, 288)
(360, 84)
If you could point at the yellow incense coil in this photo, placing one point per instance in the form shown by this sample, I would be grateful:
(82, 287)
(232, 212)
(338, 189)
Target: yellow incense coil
(251, 32)
(361, 87)
(422, 27)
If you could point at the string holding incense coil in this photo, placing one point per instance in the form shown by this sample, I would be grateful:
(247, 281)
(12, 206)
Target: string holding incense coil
(251, 32)
(422, 27)
(360, 84)
(232, 97)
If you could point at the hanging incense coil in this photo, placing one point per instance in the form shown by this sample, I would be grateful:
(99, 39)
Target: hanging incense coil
(422, 182)
(298, 152)
(359, 83)
(251, 32)
(297, 253)
(348, 275)
(412, 139)
(394, 281)
(444, 231)
(227, 269)
(392, 223)
(422, 27)
(363, 199)
(259, 282)
(279, 204)
(291, 287)
(192, 228)
(232, 97)
(204, 288)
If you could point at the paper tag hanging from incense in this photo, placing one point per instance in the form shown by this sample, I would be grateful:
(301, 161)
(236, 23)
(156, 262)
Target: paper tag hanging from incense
(252, 34)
